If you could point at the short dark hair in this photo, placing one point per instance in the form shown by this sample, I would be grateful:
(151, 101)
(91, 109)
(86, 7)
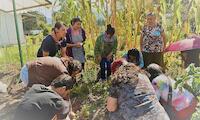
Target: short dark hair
(74, 20)
(74, 65)
(110, 30)
(58, 25)
(136, 53)
(150, 14)
(63, 80)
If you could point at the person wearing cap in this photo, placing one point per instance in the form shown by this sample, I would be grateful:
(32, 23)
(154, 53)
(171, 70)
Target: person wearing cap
(52, 42)
(44, 70)
(45, 103)
(152, 41)
(180, 104)
(75, 38)
(105, 50)
(133, 56)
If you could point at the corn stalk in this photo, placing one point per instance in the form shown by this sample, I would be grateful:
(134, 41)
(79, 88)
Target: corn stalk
(185, 19)
(129, 24)
(113, 9)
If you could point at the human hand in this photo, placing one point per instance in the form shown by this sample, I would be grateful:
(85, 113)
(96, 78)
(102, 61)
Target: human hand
(72, 115)
(110, 56)
(98, 59)
(79, 44)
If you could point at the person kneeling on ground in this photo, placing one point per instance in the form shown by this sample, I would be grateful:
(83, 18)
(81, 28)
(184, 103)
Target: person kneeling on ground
(45, 103)
(45, 69)
(133, 56)
(132, 97)
(179, 104)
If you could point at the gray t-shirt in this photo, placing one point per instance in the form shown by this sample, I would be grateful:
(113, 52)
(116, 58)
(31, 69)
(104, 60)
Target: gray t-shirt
(41, 103)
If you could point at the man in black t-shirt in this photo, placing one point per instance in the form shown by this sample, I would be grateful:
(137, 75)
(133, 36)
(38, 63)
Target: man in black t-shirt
(52, 43)
(46, 103)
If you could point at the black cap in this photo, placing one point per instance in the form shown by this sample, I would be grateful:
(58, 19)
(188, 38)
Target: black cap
(63, 80)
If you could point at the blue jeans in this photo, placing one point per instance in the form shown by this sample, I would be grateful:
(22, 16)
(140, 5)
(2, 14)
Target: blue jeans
(105, 65)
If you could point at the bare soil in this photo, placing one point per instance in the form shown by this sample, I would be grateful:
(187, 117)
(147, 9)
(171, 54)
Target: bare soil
(8, 102)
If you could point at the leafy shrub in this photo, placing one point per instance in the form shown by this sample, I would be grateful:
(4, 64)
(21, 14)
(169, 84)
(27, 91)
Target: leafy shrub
(191, 81)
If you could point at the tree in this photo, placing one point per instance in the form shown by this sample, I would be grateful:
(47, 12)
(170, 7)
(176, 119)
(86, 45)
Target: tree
(32, 21)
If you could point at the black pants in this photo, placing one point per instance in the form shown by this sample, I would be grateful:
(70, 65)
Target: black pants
(83, 66)
(153, 58)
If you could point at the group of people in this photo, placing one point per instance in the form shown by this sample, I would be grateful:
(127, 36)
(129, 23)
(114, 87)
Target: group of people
(152, 44)
(138, 81)
(49, 79)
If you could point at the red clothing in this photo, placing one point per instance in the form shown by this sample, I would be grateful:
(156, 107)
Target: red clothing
(116, 64)
(184, 114)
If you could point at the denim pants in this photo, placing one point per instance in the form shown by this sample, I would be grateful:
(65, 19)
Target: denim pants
(105, 66)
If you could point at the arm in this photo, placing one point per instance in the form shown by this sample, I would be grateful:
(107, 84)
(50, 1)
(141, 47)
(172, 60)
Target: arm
(115, 46)
(112, 99)
(111, 104)
(45, 53)
(97, 48)
(141, 42)
(164, 39)
(63, 48)
(63, 52)
(71, 45)
(83, 35)
(141, 60)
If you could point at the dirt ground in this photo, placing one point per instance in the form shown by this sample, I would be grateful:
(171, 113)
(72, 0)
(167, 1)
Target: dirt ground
(8, 102)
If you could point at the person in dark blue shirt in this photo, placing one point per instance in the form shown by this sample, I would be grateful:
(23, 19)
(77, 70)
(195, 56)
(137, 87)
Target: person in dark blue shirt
(52, 43)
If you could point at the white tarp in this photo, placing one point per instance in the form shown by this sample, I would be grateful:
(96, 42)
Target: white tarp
(7, 6)
(7, 29)
(7, 23)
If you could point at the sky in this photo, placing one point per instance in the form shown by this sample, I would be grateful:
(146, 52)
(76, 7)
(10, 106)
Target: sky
(47, 12)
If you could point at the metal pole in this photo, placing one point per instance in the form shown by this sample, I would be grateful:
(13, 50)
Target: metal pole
(17, 32)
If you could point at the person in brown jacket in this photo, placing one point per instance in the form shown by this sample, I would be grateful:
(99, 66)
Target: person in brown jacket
(45, 69)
